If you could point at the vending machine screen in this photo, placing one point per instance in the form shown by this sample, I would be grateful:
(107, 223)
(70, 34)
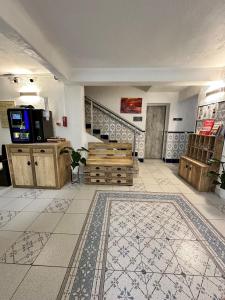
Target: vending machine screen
(20, 125)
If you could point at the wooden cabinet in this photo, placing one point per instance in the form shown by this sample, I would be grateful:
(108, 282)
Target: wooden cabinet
(39, 165)
(194, 167)
(45, 172)
(22, 169)
(195, 173)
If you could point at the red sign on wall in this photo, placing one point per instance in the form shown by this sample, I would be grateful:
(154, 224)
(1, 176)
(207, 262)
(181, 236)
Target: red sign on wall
(131, 105)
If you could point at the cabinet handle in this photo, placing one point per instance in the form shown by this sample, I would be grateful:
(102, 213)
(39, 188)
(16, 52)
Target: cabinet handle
(189, 168)
(97, 180)
(119, 181)
(28, 163)
(118, 175)
(36, 164)
(118, 169)
(97, 174)
(42, 151)
(19, 150)
(97, 168)
(186, 166)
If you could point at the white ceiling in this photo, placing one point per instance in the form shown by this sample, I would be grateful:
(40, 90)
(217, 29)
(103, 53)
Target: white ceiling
(13, 60)
(133, 33)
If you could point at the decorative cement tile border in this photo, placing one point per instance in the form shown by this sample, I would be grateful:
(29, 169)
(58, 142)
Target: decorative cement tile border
(86, 272)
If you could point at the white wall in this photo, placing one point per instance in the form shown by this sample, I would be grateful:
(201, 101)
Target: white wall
(179, 108)
(63, 100)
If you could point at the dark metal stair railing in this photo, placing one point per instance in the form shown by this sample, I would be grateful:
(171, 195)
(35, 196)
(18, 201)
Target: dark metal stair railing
(136, 130)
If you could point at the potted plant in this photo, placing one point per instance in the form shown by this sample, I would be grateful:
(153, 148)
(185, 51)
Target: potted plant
(219, 177)
(77, 159)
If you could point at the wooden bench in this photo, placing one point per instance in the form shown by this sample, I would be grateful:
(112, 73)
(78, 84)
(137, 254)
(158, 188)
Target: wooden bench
(110, 163)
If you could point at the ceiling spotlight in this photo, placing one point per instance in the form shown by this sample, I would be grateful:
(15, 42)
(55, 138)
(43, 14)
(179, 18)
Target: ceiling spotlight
(31, 80)
(15, 80)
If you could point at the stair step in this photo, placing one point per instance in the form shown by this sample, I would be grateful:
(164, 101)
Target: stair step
(135, 153)
(113, 141)
(96, 131)
(88, 126)
(104, 136)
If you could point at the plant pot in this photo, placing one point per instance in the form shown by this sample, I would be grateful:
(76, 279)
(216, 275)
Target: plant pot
(220, 192)
(75, 175)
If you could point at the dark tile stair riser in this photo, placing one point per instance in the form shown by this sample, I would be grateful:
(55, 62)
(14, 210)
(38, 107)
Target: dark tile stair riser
(171, 160)
(104, 136)
(88, 126)
(96, 131)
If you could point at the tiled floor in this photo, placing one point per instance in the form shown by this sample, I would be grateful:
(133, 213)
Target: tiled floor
(39, 229)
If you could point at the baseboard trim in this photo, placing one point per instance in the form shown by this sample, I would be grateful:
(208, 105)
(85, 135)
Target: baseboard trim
(141, 159)
(171, 160)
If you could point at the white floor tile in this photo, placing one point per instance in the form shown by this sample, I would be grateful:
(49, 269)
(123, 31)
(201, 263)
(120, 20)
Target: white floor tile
(40, 283)
(153, 188)
(57, 251)
(18, 204)
(61, 194)
(79, 206)
(169, 188)
(4, 201)
(71, 224)
(10, 278)
(46, 222)
(219, 225)
(38, 204)
(7, 238)
(211, 212)
(21, 221)
(84, 194)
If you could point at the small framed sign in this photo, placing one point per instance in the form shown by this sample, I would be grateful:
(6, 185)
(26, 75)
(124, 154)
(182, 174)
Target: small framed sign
(137, 119)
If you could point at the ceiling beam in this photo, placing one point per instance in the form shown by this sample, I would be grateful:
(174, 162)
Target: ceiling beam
(18, 26)
(147, 76)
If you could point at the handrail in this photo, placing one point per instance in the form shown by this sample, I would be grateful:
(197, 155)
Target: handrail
(129, 124)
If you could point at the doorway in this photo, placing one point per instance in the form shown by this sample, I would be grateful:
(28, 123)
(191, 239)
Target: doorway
(155, 126)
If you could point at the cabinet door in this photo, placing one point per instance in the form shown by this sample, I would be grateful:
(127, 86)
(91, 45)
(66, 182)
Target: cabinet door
(22, 169)
(194, 175)
(45, 170)
(183, 168)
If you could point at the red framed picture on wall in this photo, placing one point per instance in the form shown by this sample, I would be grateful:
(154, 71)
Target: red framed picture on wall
(131, 105)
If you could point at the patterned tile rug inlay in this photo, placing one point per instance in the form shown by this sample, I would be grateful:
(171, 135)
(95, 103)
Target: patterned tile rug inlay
(139, 245)
(26, 248)
(6, 217)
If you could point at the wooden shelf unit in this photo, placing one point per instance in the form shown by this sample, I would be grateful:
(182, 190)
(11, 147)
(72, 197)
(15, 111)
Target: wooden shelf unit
(39, 165)
(194, 167)
(109, 163)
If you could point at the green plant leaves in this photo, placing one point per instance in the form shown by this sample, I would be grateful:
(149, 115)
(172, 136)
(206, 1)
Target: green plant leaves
(76, 158)
(213, 174)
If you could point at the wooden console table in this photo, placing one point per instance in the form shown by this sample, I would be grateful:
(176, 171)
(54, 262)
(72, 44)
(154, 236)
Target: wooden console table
(109, 163)
(39, 165)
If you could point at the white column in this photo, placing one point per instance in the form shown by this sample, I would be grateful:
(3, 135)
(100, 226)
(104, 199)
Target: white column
(74, 110)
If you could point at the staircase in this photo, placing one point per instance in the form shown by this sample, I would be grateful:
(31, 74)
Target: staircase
(110, 127)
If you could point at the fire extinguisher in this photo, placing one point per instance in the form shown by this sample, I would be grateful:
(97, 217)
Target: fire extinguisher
(64, 119)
